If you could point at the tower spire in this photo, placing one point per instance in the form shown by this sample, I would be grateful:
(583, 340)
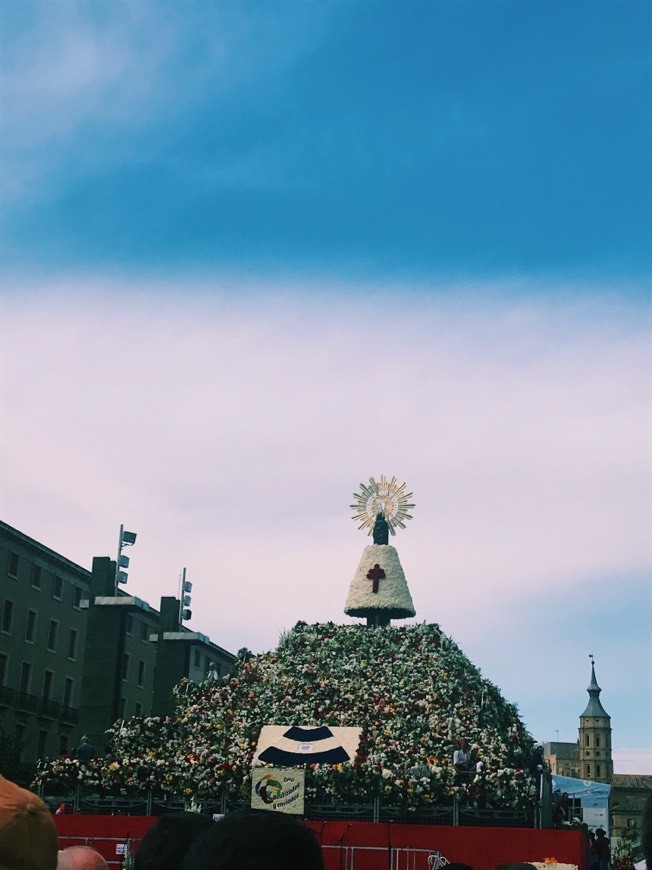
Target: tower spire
(596, 762)
(594, 708)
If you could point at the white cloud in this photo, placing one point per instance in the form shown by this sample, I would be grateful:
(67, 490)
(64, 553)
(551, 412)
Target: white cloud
(638, 761)
(87, 79)
(231, 436)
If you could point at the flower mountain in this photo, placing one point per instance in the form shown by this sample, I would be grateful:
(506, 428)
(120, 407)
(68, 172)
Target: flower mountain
(410, 689)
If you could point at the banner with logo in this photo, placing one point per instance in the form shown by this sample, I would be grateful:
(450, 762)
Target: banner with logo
(275, 789)
(292, 746)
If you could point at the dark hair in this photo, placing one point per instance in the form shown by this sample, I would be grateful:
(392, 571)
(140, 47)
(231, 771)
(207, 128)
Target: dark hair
(256, 840)
(168, 840)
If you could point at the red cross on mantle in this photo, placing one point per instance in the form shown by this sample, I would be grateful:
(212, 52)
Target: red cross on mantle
(375, 574)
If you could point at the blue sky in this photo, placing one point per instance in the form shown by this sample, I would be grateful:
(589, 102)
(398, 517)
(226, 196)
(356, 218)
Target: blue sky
(253, 253)
(435, 137)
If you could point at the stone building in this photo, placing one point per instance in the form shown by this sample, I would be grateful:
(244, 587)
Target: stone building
(76, 655)
(563, 758)
(591, 759)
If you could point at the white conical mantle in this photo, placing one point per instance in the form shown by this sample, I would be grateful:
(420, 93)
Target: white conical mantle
(392, 599)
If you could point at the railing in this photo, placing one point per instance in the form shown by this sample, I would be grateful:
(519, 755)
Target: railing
(28, 703)
(454, 812)
(397, 858)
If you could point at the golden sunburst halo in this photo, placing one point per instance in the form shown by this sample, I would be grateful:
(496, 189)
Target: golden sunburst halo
(383, 496)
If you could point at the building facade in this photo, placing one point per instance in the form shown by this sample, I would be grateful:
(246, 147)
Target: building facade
(591, 759)
(75, 656)
(563, 758)
(595, 759)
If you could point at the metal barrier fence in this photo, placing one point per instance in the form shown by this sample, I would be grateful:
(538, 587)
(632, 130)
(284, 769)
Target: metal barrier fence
(116, 851)
(395, 858)
(452, 813)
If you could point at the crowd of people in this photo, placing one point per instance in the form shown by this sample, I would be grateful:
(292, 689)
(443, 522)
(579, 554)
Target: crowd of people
(243, 840)
(240, 840)
(28, 836)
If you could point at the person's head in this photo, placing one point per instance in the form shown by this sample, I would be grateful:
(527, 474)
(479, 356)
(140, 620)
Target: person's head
(28, 837)
(463, 743)
(256, 840)
(168, 840)
(600, 832)
(516, 865)
(80, 858)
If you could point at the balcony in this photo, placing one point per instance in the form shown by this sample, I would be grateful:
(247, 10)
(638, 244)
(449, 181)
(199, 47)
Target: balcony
(26, 703)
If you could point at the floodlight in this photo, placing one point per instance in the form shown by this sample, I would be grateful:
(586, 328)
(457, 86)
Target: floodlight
(125, 539)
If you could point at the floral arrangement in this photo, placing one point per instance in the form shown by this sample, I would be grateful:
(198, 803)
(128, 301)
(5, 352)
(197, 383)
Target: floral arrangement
(411, 690)
(623, 855)
(393, 593)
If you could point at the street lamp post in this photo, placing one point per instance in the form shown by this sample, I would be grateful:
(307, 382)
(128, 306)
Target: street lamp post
(125, 539)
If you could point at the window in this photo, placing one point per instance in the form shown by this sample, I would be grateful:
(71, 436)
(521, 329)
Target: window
(52, 635)
(196, 659)
(12, 569)
(4, 665)
(25, 677)
(72, 643)
(144, 631)
(122, 709)
(141, 672)
(48, 679)
(30, 626)
(586, 739)
(7, 616)
(631, 823)
(57, 587)
(139, 709)
(36, 576)
(67, 692)
(125, 667)
(597, 740)
(42, 741)
(76, 596)
(588, 771)
(598, 770)
(130, 625)
(63, 744)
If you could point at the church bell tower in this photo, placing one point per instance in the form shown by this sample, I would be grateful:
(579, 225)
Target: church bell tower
(596, 763)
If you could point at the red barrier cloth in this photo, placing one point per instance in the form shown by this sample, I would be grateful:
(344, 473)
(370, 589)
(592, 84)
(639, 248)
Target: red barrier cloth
(103, 833)
(482, 848)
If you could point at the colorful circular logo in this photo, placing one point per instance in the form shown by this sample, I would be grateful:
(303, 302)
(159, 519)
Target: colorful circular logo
(268, 789)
